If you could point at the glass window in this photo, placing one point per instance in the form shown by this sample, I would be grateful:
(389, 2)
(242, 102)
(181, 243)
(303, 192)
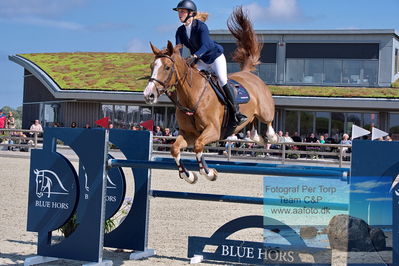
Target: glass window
(145, 113)
(306, 123)
(332, 71)
(313, 72)
(295, 69)
(267, 72)
(159, 116)
(370, 74)
(352, 119)
(133, 115)
(108, 110)
(171, 112)
(322, 123)
(233, 67)
(352, 71)
(396, 61)
(369, 120)
(119, 120)
(291, 121)
(337, 125)
(393, 123)
(49, 115)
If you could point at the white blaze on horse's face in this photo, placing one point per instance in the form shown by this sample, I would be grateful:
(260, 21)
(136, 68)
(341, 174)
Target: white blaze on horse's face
(150, 92)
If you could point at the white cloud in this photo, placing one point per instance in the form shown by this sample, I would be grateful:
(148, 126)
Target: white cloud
(379, 199)
(138, 46)
(370, 184)
(360, 191)
(51, 23)
(281, 10)
(38, 8)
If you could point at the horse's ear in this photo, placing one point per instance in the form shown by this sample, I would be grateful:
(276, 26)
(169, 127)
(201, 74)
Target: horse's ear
(170, 48)
(154, 49)
(178, 48)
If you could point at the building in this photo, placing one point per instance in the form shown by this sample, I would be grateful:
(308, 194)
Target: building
(84, 87)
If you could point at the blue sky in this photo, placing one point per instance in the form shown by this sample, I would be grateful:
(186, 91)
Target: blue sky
(39, 26)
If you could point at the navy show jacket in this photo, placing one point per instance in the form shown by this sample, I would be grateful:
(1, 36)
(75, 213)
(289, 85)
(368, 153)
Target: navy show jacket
(199, 43)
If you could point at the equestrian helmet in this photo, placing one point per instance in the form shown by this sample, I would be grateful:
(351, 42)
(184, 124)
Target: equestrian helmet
(186, 4)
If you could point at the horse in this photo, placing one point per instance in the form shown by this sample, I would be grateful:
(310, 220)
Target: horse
(199, 112)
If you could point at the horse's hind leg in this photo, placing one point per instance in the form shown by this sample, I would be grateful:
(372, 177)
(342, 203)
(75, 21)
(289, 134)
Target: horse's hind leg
(179, 144)
(271, 134)
(206, 137)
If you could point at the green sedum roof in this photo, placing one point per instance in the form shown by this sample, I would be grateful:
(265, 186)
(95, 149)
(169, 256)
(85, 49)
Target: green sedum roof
(346, 92)
(96, 71)
(130, 72)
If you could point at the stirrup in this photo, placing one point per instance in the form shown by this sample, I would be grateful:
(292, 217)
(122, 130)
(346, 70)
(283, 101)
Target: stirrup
(240, 118)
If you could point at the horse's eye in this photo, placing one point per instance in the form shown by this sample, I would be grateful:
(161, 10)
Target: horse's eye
(167, 67)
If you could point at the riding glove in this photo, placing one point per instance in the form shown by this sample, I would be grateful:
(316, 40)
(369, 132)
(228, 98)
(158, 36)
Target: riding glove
(192, 60)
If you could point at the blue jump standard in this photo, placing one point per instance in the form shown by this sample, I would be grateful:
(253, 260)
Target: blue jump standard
(242, 199)
(241, 168)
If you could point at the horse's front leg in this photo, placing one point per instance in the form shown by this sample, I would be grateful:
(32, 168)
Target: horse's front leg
(208, 135)
(179, 144)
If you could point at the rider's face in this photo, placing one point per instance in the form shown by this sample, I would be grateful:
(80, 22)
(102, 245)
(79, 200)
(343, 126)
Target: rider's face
(183, 13)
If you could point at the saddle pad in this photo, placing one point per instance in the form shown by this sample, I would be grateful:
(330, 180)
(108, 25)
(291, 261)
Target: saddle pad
(242, 95)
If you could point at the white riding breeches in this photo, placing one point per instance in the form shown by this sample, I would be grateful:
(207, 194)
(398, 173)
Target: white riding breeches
(219, 67)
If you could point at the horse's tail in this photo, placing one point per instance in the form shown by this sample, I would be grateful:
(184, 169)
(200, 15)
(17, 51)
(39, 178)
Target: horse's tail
(248, 48)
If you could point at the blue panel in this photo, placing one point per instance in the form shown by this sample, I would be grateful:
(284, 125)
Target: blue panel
(85, 243)
(132, 232)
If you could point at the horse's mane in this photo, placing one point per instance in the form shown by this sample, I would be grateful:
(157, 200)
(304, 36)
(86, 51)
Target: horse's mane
(247, 53)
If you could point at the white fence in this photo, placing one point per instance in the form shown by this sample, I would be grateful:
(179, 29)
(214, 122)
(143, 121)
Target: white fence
(12, 139)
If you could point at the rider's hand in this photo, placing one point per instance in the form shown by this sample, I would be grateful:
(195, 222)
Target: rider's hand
(192, 60)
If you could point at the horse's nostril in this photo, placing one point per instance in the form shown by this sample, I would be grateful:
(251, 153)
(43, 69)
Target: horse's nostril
(152, 96)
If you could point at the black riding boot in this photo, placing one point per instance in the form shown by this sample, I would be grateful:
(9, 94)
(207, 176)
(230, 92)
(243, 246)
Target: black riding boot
(239, 117)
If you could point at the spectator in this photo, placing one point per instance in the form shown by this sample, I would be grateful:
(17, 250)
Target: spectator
(111, 126)
(135, 127)
(296, 137)
(168, 134)
(249, 145)
(175, 132)
(3, 119)
(10, 120)
(158, 131)
(312, 139)
(321, 140)
(347, 141)
(36, 126)
(87, 125)
(287, 137)
(74, 125)
(230, 143)
(388, 138)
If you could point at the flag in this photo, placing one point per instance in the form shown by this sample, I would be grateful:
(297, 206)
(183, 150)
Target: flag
(149, 124)
(103, 122)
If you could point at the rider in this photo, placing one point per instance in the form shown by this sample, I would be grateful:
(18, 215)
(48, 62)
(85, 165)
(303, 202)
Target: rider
(205, 53)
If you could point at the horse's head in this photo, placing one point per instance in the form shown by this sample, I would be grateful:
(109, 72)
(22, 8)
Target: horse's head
(164, 72)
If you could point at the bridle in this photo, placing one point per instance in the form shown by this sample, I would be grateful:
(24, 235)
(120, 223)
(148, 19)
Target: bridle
(165, 85)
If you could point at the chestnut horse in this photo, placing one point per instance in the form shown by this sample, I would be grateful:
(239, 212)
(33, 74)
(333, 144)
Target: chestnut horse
(199, 112)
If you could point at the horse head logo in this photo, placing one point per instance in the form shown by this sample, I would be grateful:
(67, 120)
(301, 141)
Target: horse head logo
(46, 180)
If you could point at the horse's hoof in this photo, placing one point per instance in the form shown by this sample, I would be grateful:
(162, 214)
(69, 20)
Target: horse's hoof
(213, 175)
(191, 179)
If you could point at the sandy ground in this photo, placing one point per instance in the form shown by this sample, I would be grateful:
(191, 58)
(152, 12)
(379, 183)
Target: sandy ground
(171, 220)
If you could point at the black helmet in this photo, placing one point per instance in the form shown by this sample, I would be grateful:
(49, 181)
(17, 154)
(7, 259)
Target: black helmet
(186, 4)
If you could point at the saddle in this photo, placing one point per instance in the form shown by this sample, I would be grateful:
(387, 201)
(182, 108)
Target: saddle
(242, 96)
